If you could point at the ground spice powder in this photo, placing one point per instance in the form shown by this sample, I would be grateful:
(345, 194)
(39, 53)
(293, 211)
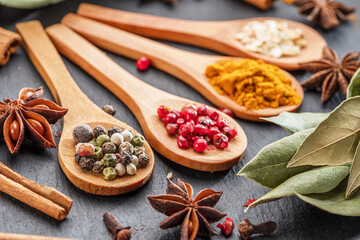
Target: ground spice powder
(253, 84)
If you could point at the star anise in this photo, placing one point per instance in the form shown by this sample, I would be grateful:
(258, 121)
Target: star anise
(331, 74)
(194, 214)
(326, 13)
(28, 115)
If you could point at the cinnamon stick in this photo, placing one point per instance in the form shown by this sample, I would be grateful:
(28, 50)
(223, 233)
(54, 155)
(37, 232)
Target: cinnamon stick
(262, 4)
(43, 198)
(12, 236)
(9, 43)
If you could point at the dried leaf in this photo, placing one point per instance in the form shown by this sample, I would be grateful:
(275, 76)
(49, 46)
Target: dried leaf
(268, 167)
(354, 178)
(354, 87)
(295, 122)
(318, 180)
(335, 201)
(334, 141)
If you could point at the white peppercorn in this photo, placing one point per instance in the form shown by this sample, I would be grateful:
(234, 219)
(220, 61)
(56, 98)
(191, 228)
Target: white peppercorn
(139, 150)
(120, 169)
(126, 146)
(135, 160)
(117, 139)
(131, 169)
(127, 135)
(109, 147)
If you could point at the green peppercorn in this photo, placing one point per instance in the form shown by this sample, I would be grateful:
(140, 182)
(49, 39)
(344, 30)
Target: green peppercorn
(126, 146)
(98, 166)
(139, 150)
(98, 131)
(100, 140)
(109, 160)
(98, 154)
(109, 173)
(138, 140)
(93, 143)
(109, 147)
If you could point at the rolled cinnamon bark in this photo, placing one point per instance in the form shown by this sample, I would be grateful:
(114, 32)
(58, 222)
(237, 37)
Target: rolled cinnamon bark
(262, 4)
(9, 43)
(12, 236)
(44, 198)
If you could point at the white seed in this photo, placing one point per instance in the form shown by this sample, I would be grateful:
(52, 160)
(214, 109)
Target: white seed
(128, 136)
(135, 160)
(131, 169)
(117, 139)
(120, 169)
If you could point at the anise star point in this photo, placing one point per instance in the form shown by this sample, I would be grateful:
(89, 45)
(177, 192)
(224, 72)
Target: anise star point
(193, 214)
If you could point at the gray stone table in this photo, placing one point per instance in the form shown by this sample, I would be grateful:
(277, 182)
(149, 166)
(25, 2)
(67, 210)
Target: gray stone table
(296, 219)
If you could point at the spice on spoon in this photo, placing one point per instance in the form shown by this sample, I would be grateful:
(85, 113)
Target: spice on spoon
(28, 116)
(117, 231)
(247, 229)
(253, 84)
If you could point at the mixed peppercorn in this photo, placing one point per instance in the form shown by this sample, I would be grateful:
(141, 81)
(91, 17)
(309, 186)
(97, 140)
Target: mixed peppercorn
(197, 127)
(112, 153)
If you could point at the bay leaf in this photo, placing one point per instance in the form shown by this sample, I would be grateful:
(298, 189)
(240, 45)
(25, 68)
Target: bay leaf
(335, 201)
(335, 140)
(318, 180)
(268, 167)
(354, 178)
(354, 86)
(295, 122)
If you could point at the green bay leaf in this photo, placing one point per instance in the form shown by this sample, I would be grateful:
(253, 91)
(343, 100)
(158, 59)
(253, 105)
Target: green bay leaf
(354, 86)
(335, 201)
(268, 167)
(335, 140)
(295, 122)
(354, 178)
(318, 180)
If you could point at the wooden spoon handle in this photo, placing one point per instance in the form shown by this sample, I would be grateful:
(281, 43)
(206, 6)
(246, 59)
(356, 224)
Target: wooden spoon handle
(13, 236)
(174, 61)
(96, 63)
(49, 64)
(184, 31)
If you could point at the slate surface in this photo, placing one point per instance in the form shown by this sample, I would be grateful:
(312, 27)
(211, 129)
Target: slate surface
(296, 219)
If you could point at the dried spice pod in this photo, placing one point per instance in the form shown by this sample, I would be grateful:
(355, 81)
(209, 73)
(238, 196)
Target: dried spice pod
(193, 214)
(331, 74)
(28, 115)
(326, 13)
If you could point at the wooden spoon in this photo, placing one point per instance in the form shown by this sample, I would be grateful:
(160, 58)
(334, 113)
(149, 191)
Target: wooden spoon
(187, 66)
(143, 100)
(215, 35)
(81, 110)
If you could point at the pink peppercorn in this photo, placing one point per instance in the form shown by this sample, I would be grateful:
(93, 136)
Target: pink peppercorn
(203, 110)
(214, 115)
(143, 63)
(200, 145)
(171, 128)
(162, 111)
(220, 140)
(183, 143)
(169, 118)
(227, 111)
(229, 132)
(200, 130)
(190, 114)
(221, 123)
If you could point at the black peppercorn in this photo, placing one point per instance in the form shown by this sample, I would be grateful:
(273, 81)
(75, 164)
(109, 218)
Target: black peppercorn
(77, 157)
(143, 160)
(109, 147)
(82, 133)
(125, 158)
(99, 130)
(109, 109)
(86, 163)
(113, 130)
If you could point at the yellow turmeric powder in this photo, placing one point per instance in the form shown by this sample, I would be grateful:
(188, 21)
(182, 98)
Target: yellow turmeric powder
(253, 84)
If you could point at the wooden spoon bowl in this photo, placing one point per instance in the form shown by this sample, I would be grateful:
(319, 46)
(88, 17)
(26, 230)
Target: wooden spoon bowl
(187, 66)
(215, 35)
(81, 110)
(143, 100)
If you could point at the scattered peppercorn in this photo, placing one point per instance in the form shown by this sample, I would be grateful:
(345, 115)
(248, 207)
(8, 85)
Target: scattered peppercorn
(109, 109)
(248, 202)
(143, 63)
(197, 127)
(226, 227)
